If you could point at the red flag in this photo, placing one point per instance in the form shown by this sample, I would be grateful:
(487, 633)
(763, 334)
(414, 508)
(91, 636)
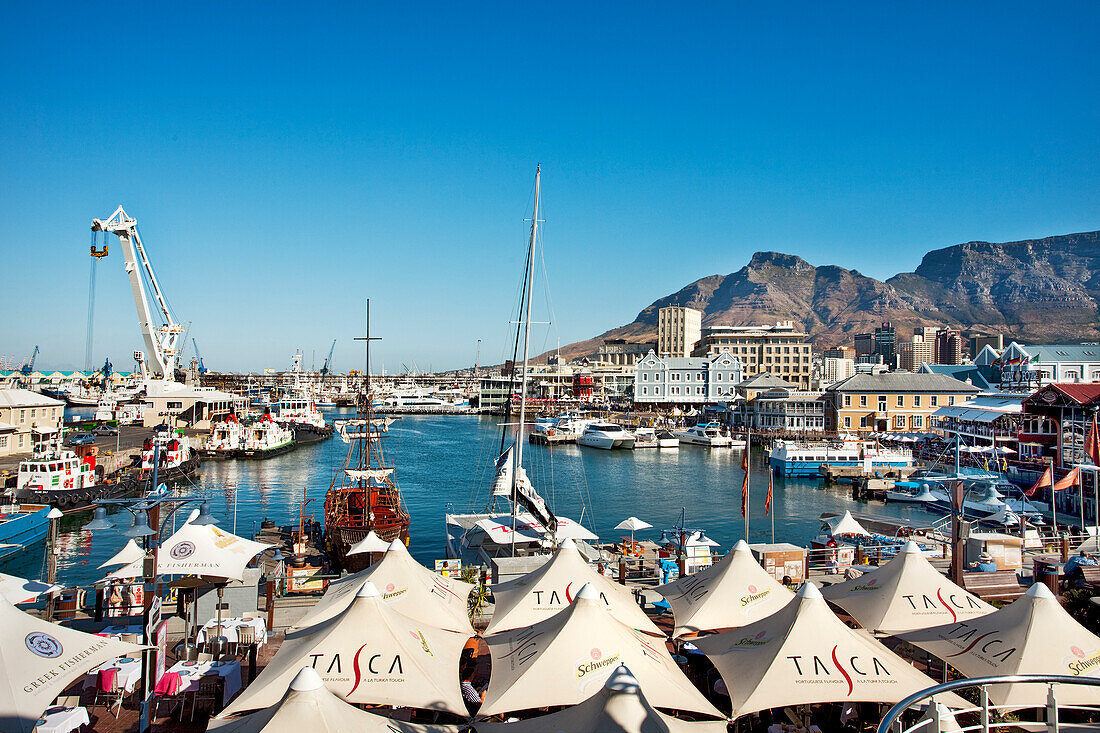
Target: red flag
(1092, 444)
(768, 498)
(745, 495)
(1045, 482)
(1070, 479)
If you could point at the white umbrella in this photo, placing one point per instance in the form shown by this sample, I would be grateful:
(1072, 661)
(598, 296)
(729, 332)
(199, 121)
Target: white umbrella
(633, 524)
(906, 593)
(565, 659)
(1031, 635)
(618, 707)
(199, 549)
(309, 707)
(39, 660)
(406, 586)
(128, 554)
(845, 524)
(370, 543)
(21, 590)
(368, 654)
(545, 591)
(803, 654)
(732, 592)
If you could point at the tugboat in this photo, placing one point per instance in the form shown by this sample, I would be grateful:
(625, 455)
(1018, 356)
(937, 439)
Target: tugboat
(177, 458)
(225, 439)
(363, 496)
(265, 438)
(299, 413)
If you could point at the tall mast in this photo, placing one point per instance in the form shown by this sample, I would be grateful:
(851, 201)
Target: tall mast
(528, 277)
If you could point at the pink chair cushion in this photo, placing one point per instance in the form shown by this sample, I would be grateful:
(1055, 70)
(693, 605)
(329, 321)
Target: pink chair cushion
(169, 684)
(105, 681)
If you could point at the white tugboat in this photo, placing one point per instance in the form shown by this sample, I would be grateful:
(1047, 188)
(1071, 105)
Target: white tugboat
(225, 439)
(177, 458)
(265, 438)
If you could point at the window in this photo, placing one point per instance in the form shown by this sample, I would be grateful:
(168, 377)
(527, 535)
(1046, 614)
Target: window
(847, 400)
(22, 418)
(21, 440)
(3, 441)
(698, 390)
(175, 405)
(916, 400)
(899, 422)
(882, 404)
(699, 377)
(951, 400)
(863, 400)
(901, 400)
(33, 413)
(917, 420)
(719, 375)
(645, 377)
(657, 390)
(675, 390)
(863, 421)
(645, 390)
(934, 400)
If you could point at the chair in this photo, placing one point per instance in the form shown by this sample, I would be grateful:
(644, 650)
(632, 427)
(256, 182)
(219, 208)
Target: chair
(169, 690)
(68, 701)
(131, 638)
(107, 689)
(246, 637)
(204, 657)
(209, 691)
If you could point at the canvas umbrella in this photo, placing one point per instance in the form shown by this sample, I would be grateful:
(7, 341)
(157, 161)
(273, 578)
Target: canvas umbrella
(308, 706)
(804, 654)
(198, 549)
(406, 586)
(370, 543)
(845, 524)
(732, 592)
(566, 658)
(618, 707)
(543, 592)
(1031, 635)
(130, 553)
(370, 653)
(633, 524)
(39, 660)
(906, 593)
(20, 590)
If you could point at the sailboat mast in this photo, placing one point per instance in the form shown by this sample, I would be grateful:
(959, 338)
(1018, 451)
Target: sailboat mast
(528, 277)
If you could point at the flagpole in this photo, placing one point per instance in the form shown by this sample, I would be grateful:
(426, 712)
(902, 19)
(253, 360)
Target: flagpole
(771, 503)
(748, 447)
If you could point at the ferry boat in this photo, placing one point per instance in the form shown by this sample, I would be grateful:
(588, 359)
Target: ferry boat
(22, 525)
(300, 413)
(706, 434)
(606, 436)
(795, 458)
(266, 438)
(67, 480)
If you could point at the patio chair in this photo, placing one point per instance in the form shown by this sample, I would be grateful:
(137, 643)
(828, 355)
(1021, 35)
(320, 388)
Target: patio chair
(108, 690)
(169, 690)
(246, 637)
(207, 694)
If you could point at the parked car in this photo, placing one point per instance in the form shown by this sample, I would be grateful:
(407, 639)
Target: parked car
(82, 439)
(105, 430)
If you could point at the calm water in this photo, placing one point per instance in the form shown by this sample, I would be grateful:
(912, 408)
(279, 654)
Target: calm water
(447, 461)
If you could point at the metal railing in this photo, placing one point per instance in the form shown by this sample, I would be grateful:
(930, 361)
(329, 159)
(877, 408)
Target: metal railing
(931, 723)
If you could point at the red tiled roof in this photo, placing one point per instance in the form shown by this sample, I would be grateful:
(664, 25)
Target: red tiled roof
(1080, 393)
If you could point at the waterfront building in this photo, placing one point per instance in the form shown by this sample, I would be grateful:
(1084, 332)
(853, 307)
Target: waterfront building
(1048, 364)
(779, 349)
(182, 405)
(678, 331)
(981, 377)
(689, 380)
(948, 346)
(788, 410)
(27, 419)
(911, 354)
(986, 420)
(1066, 411)
(883, 401)
(619, 352)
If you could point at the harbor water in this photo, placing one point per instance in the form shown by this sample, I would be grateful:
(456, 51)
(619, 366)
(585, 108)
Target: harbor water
(447, 463)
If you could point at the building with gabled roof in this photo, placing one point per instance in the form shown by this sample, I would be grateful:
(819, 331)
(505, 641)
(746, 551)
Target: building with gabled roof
(891, 401)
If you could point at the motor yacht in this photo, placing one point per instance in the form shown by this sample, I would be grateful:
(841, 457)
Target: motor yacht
(646, 438)
(666, 440)
(606, 436)
(704, 434)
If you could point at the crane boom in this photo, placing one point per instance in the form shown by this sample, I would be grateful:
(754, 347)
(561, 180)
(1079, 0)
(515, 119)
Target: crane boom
(327, 367)
(161, 341)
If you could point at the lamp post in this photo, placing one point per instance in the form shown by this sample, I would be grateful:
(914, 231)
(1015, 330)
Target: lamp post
(54, 516)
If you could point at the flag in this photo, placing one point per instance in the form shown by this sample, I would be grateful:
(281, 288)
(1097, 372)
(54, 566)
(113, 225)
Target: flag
(1070, 479)
(768, 498)
(1045, 481)
(1092, 444)
(745, 482)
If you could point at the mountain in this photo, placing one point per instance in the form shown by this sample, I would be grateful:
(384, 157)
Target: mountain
(1038, 290)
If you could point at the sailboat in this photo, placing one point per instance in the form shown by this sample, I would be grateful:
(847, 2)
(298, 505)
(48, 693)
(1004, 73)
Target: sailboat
(516, 521)
(363, 496)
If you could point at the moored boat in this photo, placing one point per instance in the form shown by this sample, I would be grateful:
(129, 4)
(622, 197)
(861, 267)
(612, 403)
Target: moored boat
(606, 436)
(22, 525)
(706, 434)
(68, 480)
(266, 438)
(805, 458)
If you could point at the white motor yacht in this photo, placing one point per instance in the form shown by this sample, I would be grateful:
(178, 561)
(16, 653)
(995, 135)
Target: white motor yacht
(704, 434)
(666, 440)
(646, 438)
(606, 436)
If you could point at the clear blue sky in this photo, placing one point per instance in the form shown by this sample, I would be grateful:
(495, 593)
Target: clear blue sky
(286, 161)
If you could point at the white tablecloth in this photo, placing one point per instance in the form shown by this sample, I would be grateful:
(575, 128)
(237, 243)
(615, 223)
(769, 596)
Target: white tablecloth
(229, 629)
(129, 672)
(190, 672)
(63, 720)
(119, 630)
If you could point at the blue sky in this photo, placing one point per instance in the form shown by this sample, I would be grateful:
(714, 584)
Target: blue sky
(283, 165)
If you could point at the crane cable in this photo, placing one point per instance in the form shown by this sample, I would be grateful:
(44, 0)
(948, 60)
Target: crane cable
(91, 304)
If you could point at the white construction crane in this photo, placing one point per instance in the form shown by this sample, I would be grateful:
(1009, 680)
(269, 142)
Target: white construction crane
(161, 341)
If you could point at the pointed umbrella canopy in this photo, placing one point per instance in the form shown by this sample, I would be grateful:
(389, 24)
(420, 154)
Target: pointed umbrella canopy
(906, 593)
(369, 654)
(370, 543)
(732, 592)
(1031, 635)
(845, 524)
(128, 554)
(633, 524)
(406, 586)
(565, 659)
(21, 590)
(309, 707)
(541, 593)
(38, 660)
(804, 654)
(199, 549)
(619, 707)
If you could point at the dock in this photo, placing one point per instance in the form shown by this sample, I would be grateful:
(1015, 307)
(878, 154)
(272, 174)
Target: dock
(839, 474)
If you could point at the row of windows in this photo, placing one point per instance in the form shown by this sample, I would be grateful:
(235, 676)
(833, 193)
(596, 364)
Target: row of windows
(675, 376)
(917, 401)
(687, 391)
(916, 422)
(46, 412)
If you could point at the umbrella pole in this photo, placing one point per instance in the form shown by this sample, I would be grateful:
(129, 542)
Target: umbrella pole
(218, 657)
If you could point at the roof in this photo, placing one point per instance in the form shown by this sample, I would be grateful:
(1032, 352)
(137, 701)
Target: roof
(1048, 353)
(986, 408)
(26, 398)
(902, 382)
(765, 380)
(963, 372)
(1083, 394)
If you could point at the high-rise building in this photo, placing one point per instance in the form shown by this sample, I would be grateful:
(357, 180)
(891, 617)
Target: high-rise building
(780, 350)
(948, 347)
(979, 342)
(865, 344)
(911, 354)
(886, 340)
(678, 331)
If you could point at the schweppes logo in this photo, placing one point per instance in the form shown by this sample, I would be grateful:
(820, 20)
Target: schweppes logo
(755, 594)
(759, 640)
(596, 662)
(1082, 663)
(391, 591)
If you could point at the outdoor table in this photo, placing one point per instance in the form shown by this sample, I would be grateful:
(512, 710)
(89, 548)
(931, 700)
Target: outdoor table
(127, 675)
(62, 720)
(191, 672)
(119, 630)
(230, 627)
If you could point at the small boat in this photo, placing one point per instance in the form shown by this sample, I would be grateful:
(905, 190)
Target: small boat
(22, 525)
(706, 434)
(646, 438)
(175, 460)
(225, 439)
(300, 413)
(266, 438)
(666, 440)
(910, 492)
(68, 480)
(805, 458)
(606, 436)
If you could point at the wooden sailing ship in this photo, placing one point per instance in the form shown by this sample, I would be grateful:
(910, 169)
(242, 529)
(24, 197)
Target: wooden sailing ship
(363, 496)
